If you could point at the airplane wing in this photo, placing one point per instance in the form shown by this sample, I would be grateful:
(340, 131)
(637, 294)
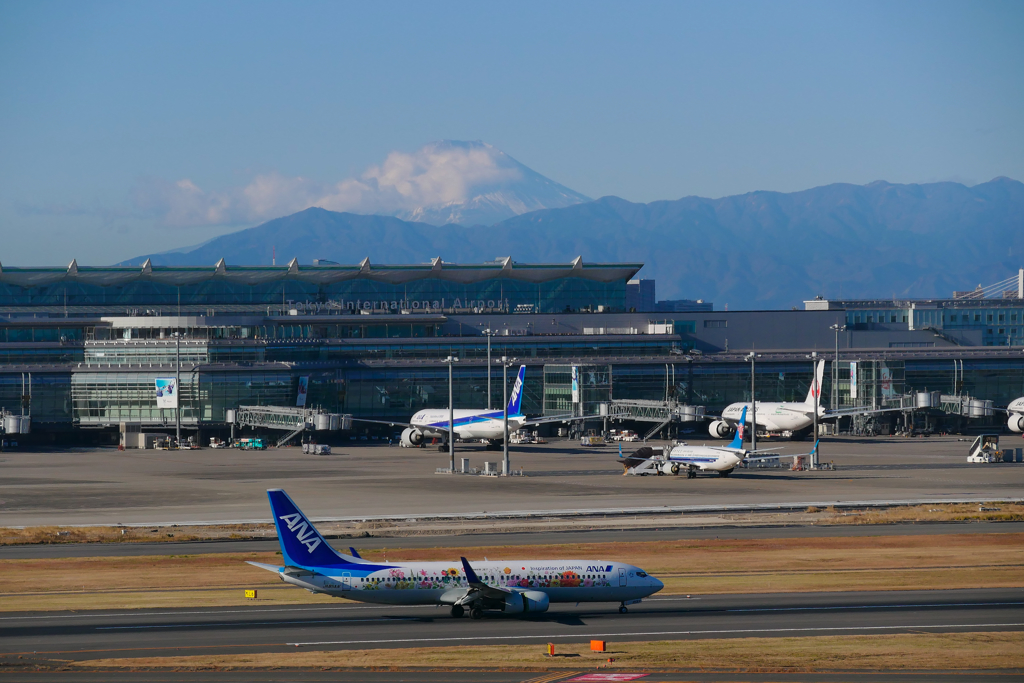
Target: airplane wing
(781, 455)
(399, 423)
(558, 418)
(390, 423)
(477, 585)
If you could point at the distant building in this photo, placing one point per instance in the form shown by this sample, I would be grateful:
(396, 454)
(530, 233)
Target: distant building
(640, 296)
(683, 306)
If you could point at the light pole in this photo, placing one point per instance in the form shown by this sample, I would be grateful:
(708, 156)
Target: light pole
(177, 388)
(835, 369)
(506, 363)
(752, 357)
(451, 361)
(490, 333)
(816, 391)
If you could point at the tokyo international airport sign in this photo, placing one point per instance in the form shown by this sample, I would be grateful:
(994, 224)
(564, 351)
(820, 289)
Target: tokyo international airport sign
(166, 392)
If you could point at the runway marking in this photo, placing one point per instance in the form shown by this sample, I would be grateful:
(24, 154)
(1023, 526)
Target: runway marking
(550, 678)
(229, 611)
(656, 633)
(250, 623)
(839, 607)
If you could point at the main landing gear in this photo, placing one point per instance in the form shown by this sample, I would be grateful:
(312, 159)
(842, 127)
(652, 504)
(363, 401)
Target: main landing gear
(476, 613)
(623, 609)
(458, 611)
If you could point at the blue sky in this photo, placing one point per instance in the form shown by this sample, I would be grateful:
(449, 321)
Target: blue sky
(105, 101)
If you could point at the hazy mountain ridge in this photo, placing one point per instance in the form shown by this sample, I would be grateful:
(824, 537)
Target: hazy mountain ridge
(756, 250)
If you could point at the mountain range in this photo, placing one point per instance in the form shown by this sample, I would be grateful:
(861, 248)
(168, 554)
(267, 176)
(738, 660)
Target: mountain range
(761, 250)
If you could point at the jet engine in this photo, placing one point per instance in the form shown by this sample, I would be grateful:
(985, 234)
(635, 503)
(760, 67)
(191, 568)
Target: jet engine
(720, 429)
(527, 601)
(1016, 423)
(412, 438)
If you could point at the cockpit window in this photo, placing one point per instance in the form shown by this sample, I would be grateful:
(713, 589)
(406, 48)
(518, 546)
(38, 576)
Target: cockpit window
(641, 574)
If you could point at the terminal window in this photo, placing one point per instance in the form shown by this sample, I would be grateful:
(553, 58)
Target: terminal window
(716, 323)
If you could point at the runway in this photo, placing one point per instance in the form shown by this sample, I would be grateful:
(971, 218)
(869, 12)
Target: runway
(58, 550)
(249, 629)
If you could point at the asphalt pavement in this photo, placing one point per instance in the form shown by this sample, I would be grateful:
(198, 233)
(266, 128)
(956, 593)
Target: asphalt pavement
(363, 480)
(161, 632)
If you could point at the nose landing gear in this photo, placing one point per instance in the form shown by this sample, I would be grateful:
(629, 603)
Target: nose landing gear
(623, 609)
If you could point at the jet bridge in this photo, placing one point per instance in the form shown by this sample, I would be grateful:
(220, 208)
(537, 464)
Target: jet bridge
(659, 412)
(292, 420)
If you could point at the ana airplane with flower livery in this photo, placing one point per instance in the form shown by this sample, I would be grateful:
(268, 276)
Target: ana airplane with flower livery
(508, 586)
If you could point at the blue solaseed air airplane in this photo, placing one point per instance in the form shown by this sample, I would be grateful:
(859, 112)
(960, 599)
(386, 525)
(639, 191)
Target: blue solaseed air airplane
(693, 459)
(507, 586)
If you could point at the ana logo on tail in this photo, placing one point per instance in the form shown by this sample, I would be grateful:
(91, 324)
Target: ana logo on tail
(304, 532)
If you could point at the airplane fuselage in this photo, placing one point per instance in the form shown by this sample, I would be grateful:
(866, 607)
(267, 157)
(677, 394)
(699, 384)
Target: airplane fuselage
(775, 417)
(433, 583)
(469, 424)
(710, 458)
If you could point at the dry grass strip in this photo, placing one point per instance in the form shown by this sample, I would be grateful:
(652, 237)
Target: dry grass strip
(987, 512)
(918, 651)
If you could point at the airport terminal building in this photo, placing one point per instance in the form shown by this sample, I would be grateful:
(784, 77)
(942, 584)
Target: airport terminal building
(82, 348)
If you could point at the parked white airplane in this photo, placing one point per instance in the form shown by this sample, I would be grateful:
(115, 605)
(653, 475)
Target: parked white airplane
(1016, 411)
(508, 586)
(470, 424)
(788, 416)
(691, 459)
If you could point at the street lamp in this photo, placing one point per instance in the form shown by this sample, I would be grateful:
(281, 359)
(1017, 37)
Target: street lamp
(752, 357)
(835, 369)
(490, 333)
(451, 361)
(816, 391)
(506, 363)
(177, 388)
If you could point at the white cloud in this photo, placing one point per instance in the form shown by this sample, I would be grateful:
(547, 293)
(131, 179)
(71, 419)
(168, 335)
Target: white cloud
(439, 174)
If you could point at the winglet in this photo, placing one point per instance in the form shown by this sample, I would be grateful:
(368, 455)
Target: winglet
(354, 553)
(471, 576)
(737, 441)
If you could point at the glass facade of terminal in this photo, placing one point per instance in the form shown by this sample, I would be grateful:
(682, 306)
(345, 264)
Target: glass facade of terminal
(107, 396)
(1001, 325)
(497, 294)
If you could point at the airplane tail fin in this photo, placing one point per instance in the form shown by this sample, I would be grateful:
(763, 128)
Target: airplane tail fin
(737, 441)
(815, 388)
(301, 544)
(515, 401)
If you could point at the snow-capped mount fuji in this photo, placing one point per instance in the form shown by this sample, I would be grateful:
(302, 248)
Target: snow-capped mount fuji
(494, 186)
